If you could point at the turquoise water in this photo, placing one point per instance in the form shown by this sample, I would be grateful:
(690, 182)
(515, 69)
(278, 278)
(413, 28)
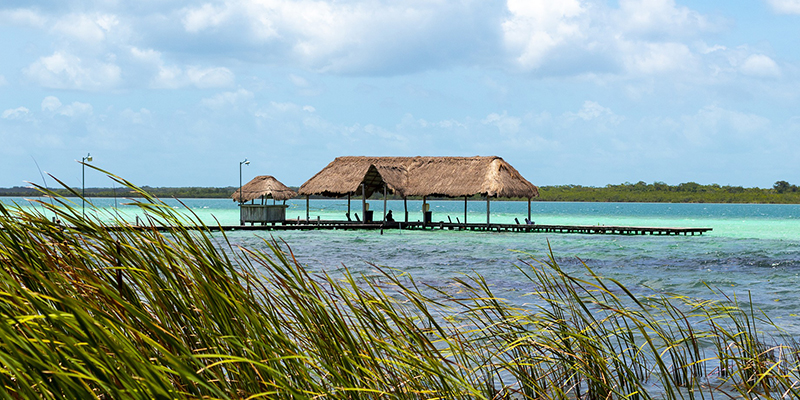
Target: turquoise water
(752, 250)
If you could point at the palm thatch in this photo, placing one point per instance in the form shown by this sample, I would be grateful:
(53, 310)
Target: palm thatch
(420, 176)
(264, 186)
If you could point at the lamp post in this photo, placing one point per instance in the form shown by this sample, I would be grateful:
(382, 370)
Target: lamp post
(245, 162)
(84, 160)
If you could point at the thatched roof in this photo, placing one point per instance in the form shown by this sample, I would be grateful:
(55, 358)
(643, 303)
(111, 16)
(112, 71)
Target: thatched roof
(264, 185)
(420, 176)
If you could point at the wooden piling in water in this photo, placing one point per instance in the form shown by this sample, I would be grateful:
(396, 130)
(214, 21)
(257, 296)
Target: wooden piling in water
(405, 207)
(465, 209)
(487, 210)
(364, 202)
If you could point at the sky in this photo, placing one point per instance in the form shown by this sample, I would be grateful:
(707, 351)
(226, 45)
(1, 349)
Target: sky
(586, 92)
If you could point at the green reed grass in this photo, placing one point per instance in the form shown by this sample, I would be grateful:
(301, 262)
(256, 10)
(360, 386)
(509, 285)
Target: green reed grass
(107, 310)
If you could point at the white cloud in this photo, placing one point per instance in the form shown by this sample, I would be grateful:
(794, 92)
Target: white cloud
(720, 65)
(347, 36)
(760, 65)
(299, 81)
(170, 76)
(567, 37)
(342, 37)
(278, 107)
(654, 18)
(409, 123)
(174, 77)
(593, 111)
(22, 16)
(87, 45)
(659, 58)
(140, 117)
(385, 134)
(205, 17)
(66, 71)
(449, 124)
(376, 37)
(305, 87)
(785, 6)
(537, 27)
(227, 99)
(76, 109)
(590, 38)
(706, 49)
(503, 122)
(706, 126)
(146, 56)
(85, 27)
(53, 106)
(212, 77)
(19, 113)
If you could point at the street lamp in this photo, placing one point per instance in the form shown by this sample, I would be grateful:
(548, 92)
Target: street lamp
(245, 162)
(84, 160)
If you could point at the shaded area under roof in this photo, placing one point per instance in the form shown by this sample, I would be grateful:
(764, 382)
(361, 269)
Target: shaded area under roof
(264, 186)
(420, 176)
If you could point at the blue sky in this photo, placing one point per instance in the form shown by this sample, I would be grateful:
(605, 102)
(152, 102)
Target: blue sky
(176, 93)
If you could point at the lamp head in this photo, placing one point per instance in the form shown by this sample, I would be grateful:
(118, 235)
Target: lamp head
(89, 158)
(247, 163)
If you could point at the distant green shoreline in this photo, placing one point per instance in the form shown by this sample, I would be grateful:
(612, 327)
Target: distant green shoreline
(782, 192)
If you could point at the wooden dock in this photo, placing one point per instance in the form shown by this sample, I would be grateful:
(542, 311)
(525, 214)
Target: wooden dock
(291, 225)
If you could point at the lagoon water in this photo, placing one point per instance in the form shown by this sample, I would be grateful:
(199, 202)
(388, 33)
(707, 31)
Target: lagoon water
(753, 250)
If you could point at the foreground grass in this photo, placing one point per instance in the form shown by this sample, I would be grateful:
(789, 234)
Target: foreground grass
(90, 312)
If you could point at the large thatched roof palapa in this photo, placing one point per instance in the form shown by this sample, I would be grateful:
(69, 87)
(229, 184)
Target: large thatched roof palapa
(266, 186)
(421, 176)
(345, 174)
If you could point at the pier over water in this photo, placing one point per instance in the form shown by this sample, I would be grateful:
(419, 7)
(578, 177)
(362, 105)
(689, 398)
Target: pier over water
(300, 224)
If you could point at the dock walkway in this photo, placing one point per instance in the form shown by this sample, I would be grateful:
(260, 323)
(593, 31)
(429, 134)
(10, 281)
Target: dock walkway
(290, 225)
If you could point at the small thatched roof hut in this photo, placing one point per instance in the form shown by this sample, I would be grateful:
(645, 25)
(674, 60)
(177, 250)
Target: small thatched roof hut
(264, 186)
(420, 176)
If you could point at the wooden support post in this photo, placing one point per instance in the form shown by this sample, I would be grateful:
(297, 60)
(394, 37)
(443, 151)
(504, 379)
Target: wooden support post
(405, 207)
(307, 210)
(424, 213)
(465, 210)
(348, 206)
(384, 202)
(529, 211)
(487, 209)
(364, 202)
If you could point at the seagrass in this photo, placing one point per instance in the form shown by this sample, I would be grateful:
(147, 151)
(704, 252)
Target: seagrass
(420, 176)
(264, 186)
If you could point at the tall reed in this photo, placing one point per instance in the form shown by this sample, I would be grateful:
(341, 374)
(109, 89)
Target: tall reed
(94, 307)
